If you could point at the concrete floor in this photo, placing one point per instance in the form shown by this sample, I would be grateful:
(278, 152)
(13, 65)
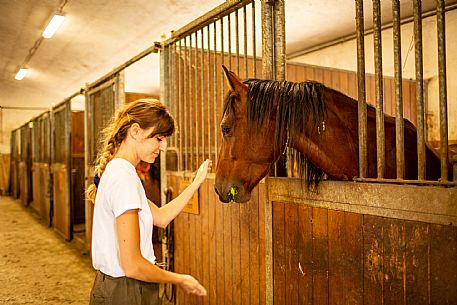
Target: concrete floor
(37, 266)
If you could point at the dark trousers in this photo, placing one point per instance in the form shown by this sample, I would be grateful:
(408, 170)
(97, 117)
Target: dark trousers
(109, 290)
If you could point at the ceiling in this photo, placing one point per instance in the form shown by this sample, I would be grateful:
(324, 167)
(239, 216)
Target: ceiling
(99, 35)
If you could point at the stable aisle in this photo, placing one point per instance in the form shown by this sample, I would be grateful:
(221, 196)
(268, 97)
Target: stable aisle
(37, 266)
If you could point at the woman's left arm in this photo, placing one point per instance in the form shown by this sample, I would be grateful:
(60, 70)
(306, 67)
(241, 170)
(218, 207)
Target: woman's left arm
(165, 214)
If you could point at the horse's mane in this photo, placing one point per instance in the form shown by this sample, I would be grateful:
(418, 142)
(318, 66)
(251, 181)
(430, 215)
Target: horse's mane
(299, 109)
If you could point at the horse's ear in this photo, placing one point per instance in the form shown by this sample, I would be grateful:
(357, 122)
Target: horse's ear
(232, 80)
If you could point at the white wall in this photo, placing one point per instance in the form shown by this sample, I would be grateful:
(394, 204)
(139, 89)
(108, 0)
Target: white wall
(344, 56)
(12, 119)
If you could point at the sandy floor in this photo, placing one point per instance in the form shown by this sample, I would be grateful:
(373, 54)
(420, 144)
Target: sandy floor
(36, 265)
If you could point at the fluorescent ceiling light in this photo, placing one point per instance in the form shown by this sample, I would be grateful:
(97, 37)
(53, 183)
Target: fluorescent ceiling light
(21, 73)
(53, 25)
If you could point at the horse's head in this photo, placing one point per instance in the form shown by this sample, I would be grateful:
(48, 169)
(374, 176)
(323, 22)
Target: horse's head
(246, 152)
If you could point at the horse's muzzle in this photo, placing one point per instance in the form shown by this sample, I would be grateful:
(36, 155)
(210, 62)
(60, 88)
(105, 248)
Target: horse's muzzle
(231, 192)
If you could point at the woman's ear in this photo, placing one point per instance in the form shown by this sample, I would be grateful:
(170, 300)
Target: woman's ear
(135, 130)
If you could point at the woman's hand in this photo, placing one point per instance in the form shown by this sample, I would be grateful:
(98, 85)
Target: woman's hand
(191, 285)
(203, 171)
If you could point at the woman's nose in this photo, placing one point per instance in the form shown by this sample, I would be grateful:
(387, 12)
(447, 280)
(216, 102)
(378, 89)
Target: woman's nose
(163, 145)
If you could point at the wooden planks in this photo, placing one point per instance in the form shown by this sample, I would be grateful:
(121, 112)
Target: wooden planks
(350, 258)
(221, 248)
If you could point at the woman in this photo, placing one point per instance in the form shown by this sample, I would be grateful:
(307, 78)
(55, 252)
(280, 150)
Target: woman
(122, 251)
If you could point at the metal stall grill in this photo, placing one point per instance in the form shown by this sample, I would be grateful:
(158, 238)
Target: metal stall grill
(103, 98)
(445, 167)
(193, 84)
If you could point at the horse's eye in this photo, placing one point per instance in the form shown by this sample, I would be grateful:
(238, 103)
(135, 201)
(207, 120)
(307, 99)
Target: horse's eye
(226, 131)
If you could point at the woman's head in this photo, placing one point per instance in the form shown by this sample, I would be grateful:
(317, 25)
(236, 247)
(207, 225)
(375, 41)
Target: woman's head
(149, 114)
(148, 119)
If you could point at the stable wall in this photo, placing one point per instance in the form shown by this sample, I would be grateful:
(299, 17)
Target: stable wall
(343, 56)
(11, 119)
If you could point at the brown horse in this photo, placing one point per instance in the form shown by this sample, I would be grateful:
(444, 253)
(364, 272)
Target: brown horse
(263, 117)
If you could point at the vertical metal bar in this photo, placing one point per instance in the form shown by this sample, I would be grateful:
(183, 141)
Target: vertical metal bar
(165, 96)
(189, 103)
(245, 28)
(184, 104)
(174, 90)
(440, 22)
(254, 47)
(208, 119)
(279, 58)
(419, 89)
(229, 33)
(196, 120)
(380, 139)
(168, 89)
(399, 124)
(267, 40)
(216, 87)
(202, 91)
(237, 37)
(180, 114)
(362, 109)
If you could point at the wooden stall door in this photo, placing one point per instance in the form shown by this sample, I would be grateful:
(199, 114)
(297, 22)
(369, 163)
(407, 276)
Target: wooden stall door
(61, 168)
(223, 246)
(44, 169)
(25, 177)
(14, 183)
(77, 174)
(36, 158)
(325, 256)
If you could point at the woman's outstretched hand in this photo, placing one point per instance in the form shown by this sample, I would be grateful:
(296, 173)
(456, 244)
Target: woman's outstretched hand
(202, 172)
(191, 285)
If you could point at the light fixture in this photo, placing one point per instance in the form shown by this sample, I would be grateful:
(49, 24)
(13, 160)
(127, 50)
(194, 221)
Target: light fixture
(53, 25)
(21, 73)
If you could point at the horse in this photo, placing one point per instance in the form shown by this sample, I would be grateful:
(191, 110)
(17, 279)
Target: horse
(262, 118)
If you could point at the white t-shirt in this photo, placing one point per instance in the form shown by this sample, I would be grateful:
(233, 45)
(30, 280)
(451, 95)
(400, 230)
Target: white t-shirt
(119, 190)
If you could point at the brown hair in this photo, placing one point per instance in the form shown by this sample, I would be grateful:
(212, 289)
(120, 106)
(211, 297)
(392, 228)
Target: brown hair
(145, 112)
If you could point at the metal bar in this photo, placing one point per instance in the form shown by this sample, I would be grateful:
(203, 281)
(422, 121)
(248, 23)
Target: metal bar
(254, 47)
(189, 103)
(419, 89)
(212, 16)
(237, 36)
(209, 86)
(202, 90)
(267, 40)
(279, 40)
(399, 123)
(180, 114)
(401, 181)
(215, 84)
(380, 139)
(245, 28)
(362, 107)
(440, 24)
(185, 107)
(219, 96)
(174, 88)
(196, 120)
(229, 26)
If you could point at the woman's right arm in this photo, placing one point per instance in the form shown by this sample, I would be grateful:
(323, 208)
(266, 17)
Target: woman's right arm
(137, 267)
